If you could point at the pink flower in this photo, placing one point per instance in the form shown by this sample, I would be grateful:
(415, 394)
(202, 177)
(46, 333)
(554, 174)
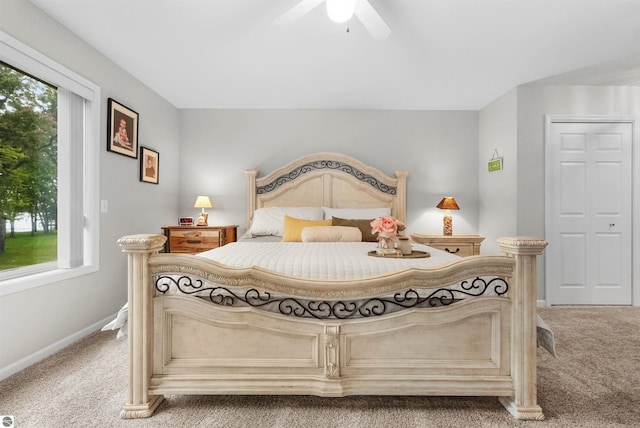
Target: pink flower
(386, 227)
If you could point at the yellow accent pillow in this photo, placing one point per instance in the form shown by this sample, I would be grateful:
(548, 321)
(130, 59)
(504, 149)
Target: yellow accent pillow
(293, 227)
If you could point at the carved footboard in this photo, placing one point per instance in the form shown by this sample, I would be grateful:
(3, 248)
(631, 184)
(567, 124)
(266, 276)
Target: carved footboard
(419, 332)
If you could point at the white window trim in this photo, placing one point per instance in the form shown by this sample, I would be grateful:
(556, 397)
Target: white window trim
(29, 60)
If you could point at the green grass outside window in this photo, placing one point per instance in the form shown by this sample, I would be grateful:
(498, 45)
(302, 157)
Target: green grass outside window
(26, 250)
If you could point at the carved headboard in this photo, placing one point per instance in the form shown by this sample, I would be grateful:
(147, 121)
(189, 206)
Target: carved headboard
(330, 180)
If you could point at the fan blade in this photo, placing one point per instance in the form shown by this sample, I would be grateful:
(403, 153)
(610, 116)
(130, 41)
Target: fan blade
(371, 20)
(297, 12)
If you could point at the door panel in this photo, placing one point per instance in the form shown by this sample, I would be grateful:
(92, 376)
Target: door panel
(572, 250)
(589, 221)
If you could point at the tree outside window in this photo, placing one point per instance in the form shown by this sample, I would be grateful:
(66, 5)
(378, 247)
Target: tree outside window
(28, 169)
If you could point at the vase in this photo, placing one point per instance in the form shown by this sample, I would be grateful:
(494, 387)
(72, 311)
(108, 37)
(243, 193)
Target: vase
(386, 245)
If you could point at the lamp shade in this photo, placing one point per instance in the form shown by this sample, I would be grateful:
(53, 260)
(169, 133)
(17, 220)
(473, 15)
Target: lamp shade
(202, 202)
(448, 203)
(340, 10)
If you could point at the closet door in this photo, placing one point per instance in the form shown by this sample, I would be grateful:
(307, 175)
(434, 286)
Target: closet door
(589, 223)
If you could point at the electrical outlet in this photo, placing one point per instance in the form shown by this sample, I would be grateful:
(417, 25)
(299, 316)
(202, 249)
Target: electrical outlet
(104, 206)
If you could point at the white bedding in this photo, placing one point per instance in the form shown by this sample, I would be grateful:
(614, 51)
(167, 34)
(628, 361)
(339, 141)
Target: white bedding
(321, 260)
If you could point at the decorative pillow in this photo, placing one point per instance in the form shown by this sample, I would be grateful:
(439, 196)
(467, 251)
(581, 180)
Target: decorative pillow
(363, 225)
(270, 220)
(356, 213)
(331, 234)
(293, 227)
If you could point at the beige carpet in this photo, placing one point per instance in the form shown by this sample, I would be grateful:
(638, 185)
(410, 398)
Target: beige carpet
(594, 382)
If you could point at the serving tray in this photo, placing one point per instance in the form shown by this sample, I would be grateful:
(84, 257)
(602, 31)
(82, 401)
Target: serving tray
(414, 255)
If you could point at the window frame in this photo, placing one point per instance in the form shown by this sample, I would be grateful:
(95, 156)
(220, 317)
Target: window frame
(32, 62)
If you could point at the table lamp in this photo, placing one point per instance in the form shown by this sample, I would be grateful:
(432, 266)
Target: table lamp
(203, 202)
(448, 203)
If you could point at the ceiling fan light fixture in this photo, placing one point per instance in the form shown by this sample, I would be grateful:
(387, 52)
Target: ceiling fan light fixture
(340, 10)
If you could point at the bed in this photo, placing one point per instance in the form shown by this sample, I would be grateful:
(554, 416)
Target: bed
(209, 324)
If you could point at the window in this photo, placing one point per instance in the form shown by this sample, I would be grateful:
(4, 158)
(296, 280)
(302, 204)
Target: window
(28, 170)
(60, 185)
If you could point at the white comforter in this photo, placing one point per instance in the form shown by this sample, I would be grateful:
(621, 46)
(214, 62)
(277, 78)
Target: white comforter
(321, 260)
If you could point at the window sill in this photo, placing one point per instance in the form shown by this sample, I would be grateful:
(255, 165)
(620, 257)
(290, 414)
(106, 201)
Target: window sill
(23, 283)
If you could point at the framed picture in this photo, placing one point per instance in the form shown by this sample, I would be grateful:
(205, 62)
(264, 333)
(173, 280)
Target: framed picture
(495, 164)
(149, 164)
(185, 221)
(122, 130)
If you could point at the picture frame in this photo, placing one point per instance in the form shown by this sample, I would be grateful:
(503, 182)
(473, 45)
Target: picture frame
(185, 221)
(149, 165)
(495, 165)
(122, 129)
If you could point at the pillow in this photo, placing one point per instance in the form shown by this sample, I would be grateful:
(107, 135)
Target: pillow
(331, 234)
(270, 220)
(363, 225)
(356, 213)
(293, 227)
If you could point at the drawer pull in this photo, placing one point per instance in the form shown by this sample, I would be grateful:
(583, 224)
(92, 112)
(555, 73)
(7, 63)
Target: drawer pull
(193, 241)
(452, 252)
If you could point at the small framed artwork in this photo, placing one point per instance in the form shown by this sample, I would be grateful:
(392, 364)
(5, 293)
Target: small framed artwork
(495, 165)
(185, 221)
(122, 130)
(149, 165)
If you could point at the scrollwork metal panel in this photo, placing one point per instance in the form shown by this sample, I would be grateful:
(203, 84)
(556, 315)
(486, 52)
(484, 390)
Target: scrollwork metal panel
(327, 164)
(328, 309)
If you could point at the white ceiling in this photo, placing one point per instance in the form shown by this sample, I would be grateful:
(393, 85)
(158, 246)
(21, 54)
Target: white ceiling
(441, 54)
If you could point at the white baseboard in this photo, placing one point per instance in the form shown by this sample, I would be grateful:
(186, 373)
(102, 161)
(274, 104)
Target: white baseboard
(22, 364)
(542, 303)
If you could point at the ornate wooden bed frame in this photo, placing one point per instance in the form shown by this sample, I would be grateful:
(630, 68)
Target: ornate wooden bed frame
(481, 345)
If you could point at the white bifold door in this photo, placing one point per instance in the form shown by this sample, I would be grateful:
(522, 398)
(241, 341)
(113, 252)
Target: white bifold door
(589, 209)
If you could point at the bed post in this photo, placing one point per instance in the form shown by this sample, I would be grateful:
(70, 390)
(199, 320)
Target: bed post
(139, 247)
(523, 405)
(401, 196)
(251, 193)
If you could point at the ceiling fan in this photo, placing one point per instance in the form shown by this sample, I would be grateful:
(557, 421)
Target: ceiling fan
(341, 11)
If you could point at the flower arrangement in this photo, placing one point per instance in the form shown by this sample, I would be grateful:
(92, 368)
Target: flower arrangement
(386, 226)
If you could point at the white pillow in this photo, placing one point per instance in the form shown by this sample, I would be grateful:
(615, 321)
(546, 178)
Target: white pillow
(331, 234)
(356, 213)
(270, 220)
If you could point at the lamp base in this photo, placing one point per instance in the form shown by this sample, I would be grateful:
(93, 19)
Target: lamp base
(203, 219)
(447, 230)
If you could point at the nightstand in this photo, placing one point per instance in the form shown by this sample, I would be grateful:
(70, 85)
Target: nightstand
(461, 245)
(195, 239)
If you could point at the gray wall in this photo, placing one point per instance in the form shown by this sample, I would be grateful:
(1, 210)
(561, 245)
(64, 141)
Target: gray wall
(497, 192)
(43, 318)
(438, 148)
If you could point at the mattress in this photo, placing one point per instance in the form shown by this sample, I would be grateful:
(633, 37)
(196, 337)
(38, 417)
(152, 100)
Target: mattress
(321, 260)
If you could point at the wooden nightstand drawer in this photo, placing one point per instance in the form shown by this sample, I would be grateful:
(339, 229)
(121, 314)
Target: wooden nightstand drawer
(460, 249)
(460, 245)
(195, 239)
